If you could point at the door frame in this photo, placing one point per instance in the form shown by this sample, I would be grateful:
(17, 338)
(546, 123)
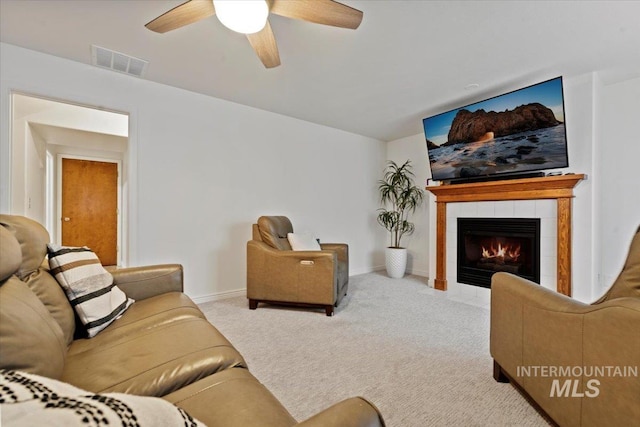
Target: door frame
(58, 196)
(87, 99)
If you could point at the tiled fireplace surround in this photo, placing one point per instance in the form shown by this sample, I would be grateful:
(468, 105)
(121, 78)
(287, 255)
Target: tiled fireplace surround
(544, 209)
(547, 198)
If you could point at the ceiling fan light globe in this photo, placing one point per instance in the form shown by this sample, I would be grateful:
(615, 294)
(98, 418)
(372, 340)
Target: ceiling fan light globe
(242, 16)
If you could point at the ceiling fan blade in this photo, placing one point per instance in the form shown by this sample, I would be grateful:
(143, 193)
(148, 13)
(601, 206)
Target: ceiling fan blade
(264, 43)
(327, 12)
(184, 14)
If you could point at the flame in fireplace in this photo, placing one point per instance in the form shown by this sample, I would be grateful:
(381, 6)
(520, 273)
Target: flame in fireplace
(502, 253)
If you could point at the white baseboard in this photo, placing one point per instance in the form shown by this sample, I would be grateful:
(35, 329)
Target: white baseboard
(378, 268)
(359, 271)
(220, 295)
(243, 292)
(418, 272)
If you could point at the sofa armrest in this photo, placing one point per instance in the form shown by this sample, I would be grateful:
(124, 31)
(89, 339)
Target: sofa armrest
(353, 412)
(525, 316)
(291, 276)
(342, 249)
(535, 327)
(529, 321)
(324, 260)
(533, 293)
(144, 282)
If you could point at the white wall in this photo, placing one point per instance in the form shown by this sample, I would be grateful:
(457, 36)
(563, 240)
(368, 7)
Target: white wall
(34, 189)
(15, 177)
(414, 148)
(606, 208)
(617, 155)
(579, 103)
(203, 170)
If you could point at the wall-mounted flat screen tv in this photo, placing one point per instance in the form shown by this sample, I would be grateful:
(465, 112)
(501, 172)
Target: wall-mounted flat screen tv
(514, 133)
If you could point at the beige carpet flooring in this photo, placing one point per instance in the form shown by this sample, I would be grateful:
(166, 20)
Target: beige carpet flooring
(422, 358)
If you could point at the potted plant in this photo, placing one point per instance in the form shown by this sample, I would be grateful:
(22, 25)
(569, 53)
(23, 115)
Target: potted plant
(402, 197)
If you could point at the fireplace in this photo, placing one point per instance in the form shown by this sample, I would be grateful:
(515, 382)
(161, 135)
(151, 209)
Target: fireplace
(490, 245)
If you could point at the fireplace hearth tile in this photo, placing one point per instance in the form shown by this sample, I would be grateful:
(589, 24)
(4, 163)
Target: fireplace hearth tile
(548, 247)
(548, 266)
(486, 209)
(549, 227)
(525, 209)
(504, 209)
(546, 209)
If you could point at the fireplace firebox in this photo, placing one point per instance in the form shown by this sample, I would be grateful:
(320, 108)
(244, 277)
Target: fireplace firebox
(490, 245)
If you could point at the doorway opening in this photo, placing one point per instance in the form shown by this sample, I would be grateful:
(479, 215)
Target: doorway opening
(45, 135)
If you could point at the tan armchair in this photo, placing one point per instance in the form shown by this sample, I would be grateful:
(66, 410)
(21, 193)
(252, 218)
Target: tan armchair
(279, 275)
(558, 350)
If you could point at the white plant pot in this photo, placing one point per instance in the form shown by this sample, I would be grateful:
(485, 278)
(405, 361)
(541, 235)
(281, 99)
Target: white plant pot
(396, 262)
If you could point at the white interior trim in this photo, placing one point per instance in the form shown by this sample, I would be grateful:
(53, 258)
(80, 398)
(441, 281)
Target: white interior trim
(36, 89)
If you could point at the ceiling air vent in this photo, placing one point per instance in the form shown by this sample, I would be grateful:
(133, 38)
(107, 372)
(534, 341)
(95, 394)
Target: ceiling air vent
(117, 61)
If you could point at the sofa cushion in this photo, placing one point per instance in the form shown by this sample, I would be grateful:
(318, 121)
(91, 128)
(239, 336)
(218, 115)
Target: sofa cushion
(52, 296)
(32, 400)
(41, 283)
(10, 254)
(31, 340)
(89, 287)
(33, 239)
(240, 400)
(153, 362)
(142, 316)
(147, 281)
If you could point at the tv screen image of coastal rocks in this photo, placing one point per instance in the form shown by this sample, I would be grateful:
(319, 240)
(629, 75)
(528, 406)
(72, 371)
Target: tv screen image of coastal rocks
(516, 132)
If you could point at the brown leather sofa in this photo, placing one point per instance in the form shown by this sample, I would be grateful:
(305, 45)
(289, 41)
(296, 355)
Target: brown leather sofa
(562, 354)
(162, 345)
(278, 275)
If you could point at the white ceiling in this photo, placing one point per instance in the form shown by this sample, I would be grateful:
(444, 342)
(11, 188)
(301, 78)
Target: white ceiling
(408, 59)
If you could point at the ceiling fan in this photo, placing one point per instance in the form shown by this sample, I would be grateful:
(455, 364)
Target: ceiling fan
(251, 18)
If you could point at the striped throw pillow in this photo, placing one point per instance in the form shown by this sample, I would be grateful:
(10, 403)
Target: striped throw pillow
(89, 287)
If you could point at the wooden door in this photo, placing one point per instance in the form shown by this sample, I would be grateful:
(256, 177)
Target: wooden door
(90, 207)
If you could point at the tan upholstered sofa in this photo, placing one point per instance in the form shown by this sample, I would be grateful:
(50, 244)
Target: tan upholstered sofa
(161, 346)
(563, 354)
(277, 274)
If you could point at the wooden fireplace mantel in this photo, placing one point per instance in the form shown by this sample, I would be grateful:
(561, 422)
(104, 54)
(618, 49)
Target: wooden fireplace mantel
(558, 187)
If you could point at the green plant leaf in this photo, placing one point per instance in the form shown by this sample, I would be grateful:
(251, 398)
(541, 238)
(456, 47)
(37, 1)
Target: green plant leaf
(398, 192)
